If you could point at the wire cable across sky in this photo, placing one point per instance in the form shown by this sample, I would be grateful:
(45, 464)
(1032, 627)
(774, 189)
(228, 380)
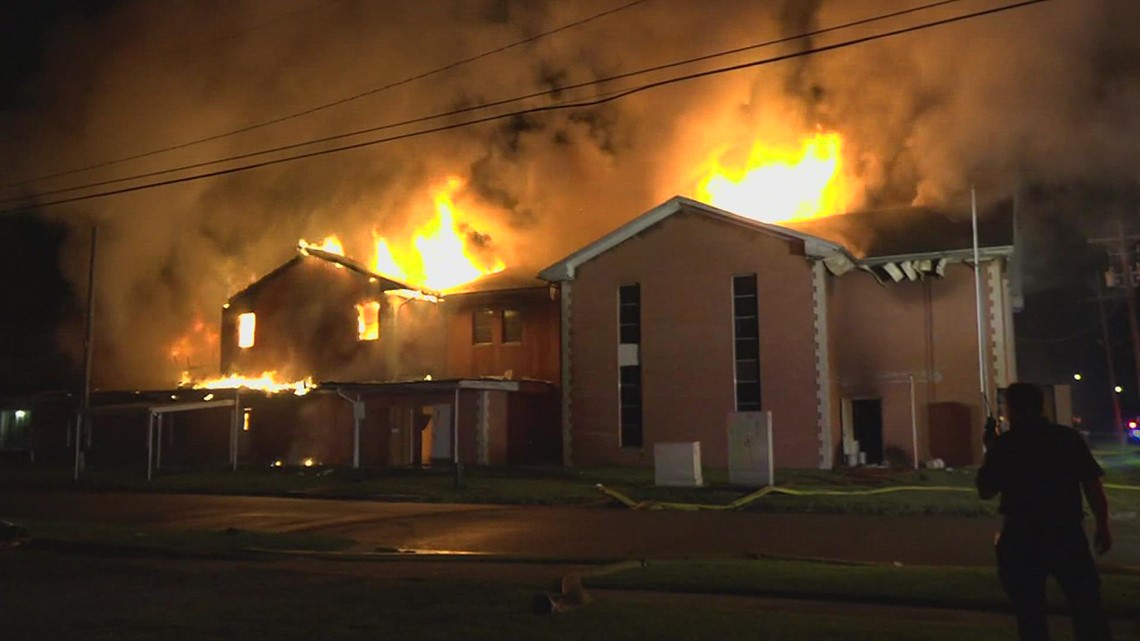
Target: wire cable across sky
(513, 114)
(337, 102)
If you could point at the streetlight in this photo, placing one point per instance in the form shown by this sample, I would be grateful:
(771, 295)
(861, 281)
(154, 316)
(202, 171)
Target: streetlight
(1118, 389)
(1077, 376)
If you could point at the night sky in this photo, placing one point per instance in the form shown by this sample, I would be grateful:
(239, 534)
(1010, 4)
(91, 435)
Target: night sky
(1042, 101)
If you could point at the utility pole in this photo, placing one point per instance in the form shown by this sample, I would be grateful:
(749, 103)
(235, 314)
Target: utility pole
(1118, 248)
(1104, 339)
(83, 416)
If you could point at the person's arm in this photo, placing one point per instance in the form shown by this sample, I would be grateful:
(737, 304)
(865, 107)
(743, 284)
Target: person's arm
(989, 475)
(1098, 503)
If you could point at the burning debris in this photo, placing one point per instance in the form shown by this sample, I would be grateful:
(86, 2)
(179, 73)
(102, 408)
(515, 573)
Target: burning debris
(267, 382)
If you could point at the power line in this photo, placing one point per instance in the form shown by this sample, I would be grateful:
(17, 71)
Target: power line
(497, 103)
(339, 101)
(557, 107)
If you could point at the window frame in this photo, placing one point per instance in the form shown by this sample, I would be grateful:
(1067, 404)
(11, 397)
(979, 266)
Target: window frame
(751, 382)
(503, 337)
(631, 377)
(489, 314)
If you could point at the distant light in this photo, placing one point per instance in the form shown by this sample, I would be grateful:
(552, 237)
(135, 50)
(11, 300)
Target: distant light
(225, 306)
(1132, 425)
(1118, 389)
(1077, 377)
(278, 463)
(174, 397)
(20, 414)
(208, 397)
(309, 462)
(1136, 434)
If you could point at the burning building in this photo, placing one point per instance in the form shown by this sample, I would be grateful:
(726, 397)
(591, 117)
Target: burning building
(689, 314)
(469, 377)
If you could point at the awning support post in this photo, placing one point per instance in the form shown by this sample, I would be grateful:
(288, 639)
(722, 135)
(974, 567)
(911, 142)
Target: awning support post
(455, 442)
(150, 446)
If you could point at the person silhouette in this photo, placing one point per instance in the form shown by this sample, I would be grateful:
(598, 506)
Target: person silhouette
(1040, 470)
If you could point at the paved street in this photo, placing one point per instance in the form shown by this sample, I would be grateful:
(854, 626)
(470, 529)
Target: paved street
(552, 531)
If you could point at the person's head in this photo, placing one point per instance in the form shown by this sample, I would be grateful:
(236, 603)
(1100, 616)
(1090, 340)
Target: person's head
(1024, 403)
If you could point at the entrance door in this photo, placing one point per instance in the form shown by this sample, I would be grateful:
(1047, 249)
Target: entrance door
(867, 419)
(441, 432)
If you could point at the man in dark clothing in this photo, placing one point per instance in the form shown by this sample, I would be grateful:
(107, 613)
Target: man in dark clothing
(1040, 470)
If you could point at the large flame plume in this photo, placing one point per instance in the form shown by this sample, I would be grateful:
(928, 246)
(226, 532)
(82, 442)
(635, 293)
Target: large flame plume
(438, 257)
(779, 184)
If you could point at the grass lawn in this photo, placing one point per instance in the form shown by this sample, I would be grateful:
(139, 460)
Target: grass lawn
(577, 486)
(52, 596)
(951, 587)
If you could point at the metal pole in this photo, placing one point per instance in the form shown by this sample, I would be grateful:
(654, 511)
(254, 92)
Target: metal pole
(455, 441)
(357, 419)
(1129, 297)
(149, 446)
(982, 382)
(85, 398)
(1104, 339)
(234, 419)
(158, 446)
(913, 422)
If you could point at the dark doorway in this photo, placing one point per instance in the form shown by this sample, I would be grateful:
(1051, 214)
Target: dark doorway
(867, 418)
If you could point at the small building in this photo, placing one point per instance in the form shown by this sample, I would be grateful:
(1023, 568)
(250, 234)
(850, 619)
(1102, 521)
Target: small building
(689, 315)
(402, 376)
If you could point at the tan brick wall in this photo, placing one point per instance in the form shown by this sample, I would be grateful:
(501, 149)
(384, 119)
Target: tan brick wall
(685, 267)
(882, 334)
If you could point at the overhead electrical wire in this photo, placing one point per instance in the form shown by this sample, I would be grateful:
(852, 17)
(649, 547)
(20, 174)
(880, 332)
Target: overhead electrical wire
(340, 101)
(489, 105)
(556, 107)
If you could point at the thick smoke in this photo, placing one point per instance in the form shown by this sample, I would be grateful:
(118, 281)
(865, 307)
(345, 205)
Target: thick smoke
(1045, 93)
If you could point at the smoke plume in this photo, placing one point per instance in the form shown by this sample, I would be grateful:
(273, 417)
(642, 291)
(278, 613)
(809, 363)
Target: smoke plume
(1048, 93)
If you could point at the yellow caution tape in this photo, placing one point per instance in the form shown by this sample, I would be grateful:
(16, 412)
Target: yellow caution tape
(761, 493)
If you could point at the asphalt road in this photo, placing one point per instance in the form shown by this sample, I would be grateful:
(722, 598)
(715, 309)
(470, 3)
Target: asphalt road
(555, 532)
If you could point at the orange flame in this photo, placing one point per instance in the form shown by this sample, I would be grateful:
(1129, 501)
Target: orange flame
(330, 244)
(780, 185)
(267, 382)
(439, 257)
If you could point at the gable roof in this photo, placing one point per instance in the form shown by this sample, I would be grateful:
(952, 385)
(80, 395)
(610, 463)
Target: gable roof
(506, 280)
(915, 232)
(564, 269)
(383, 283)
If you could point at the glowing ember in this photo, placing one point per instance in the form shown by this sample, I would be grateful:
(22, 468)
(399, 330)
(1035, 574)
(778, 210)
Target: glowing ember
(247, 326)
(439, 257)
(780, 185)
(368, 321)
(267, 382)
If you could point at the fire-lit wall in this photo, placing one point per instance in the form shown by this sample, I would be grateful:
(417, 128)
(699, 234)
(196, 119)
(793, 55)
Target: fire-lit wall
(307, 326)
(534, 355)
(685, 267)
(883, 335)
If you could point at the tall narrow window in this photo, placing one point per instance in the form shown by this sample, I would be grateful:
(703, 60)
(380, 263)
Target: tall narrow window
(368, 321)
(483, 327)
(629, 365)
(629, 314)
(746, 342)
(247, 325)
(512, 326)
